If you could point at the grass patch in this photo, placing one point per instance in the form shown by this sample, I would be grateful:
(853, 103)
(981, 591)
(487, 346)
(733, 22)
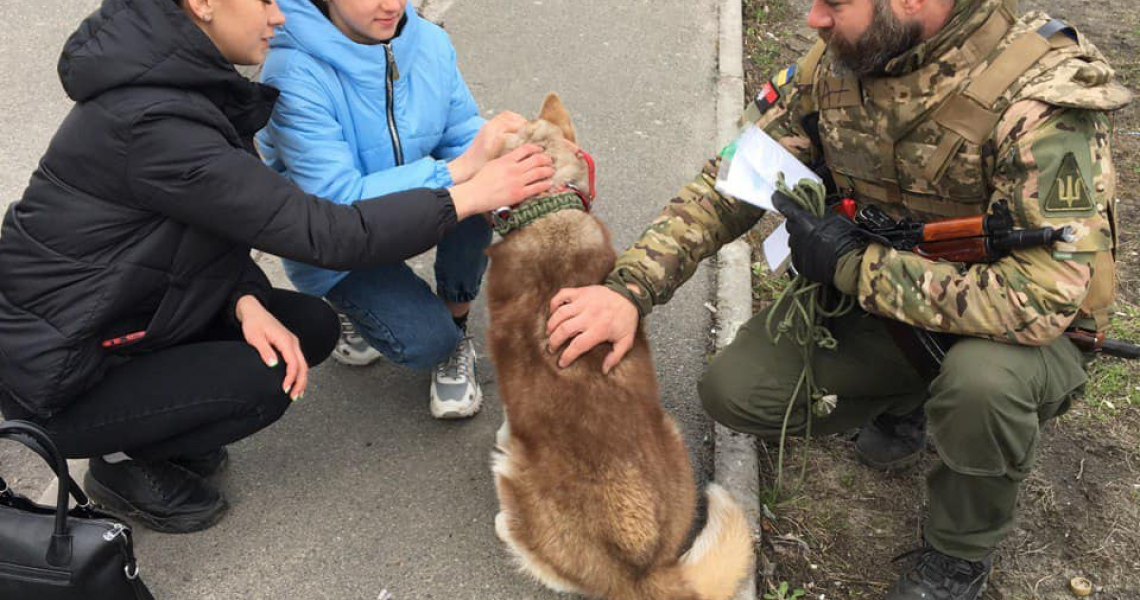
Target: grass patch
(784, 592)
(766, 13)
(766, 286)
(1126, 323)
(1129, 73)
(1114, 387)
(1114, 384)
(766, 23)
(773, 498)
(764, 53)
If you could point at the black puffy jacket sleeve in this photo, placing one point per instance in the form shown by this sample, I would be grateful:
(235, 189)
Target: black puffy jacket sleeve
(253, 282)
(186, 168)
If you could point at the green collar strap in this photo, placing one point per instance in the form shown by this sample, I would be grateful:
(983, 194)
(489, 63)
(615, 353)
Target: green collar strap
(507, 221)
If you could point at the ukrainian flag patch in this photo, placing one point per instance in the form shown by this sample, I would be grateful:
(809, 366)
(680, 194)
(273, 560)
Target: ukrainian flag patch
(783, 77)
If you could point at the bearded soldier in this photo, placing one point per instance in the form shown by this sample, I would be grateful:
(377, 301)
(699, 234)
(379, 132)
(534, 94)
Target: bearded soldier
(930, 109)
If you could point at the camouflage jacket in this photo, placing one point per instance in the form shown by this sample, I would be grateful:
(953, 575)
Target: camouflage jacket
(1042, 145)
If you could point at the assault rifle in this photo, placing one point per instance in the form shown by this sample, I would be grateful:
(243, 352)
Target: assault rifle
(977, 239)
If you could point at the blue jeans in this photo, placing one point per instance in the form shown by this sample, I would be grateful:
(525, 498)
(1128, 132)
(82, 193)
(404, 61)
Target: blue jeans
(397, 312)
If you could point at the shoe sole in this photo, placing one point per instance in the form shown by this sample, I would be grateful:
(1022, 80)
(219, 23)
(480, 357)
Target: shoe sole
(104, 496)
(353, 362)
(451, 410)
(887, 467)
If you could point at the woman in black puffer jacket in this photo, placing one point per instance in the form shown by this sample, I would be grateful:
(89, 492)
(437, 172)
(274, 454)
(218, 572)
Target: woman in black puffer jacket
(134, 325)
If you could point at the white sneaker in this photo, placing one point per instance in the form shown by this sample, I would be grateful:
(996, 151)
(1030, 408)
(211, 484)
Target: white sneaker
(351, 348)
(454, 392)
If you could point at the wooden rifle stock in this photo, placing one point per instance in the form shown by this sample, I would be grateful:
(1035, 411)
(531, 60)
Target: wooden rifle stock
(963, 250)
(953, 229)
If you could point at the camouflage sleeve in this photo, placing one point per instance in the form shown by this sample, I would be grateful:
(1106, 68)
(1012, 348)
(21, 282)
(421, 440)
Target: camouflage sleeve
(699, 220)
(692, 227)
(1054, 167)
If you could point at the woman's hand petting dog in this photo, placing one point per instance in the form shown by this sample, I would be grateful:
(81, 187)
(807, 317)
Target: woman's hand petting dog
(269, 337)
(488, 144)
(522, 173)
(590, 316)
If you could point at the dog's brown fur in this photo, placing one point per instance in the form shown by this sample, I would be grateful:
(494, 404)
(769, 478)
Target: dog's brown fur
(595, 487)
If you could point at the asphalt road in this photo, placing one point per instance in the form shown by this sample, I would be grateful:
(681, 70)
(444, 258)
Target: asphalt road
(358, 490)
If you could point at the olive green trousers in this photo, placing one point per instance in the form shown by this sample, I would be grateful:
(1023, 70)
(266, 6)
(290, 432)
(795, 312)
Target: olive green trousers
(984, 411)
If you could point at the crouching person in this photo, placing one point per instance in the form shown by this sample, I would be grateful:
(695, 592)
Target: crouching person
(932, 109)
(372, 102)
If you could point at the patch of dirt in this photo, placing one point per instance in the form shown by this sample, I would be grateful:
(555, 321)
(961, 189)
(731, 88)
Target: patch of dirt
(1079, 515)
(1079, 511)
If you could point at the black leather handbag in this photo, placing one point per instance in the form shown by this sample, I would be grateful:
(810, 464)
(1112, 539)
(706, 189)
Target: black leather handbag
(57, 553)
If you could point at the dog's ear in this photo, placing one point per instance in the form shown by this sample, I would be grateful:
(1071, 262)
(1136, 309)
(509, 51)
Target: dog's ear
(554, 112)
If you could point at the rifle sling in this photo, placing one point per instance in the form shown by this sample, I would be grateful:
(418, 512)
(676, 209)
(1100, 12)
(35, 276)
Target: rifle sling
(924, 350)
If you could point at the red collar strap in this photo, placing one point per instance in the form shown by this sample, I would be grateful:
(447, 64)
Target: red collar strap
(586, 197)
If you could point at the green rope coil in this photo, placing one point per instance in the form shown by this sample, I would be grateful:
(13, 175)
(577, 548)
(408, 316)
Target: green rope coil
(803, 321)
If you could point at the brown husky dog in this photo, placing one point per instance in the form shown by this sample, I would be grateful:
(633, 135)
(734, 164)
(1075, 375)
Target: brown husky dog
(595, 488)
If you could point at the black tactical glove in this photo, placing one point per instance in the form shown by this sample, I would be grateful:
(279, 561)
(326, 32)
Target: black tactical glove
(817, 242)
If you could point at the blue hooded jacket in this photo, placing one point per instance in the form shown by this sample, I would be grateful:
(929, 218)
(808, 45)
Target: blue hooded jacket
(340, 133)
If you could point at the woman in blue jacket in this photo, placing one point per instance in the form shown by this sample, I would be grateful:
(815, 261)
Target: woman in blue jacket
(372, 102)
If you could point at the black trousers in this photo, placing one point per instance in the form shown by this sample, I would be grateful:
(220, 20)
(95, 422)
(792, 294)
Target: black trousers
(195, 397)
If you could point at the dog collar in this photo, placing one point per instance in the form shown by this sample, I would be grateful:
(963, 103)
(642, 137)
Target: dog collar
(502, 215)
(506, 220)
(586, 197)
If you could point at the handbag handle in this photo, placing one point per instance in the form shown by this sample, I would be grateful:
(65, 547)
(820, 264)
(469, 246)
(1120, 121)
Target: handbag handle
(82, 502)
(36, 439)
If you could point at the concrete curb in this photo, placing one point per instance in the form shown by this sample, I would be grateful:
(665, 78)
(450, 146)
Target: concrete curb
(735, 459)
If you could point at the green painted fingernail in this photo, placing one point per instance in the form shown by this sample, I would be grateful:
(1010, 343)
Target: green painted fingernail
(273, 363)
(297, 397)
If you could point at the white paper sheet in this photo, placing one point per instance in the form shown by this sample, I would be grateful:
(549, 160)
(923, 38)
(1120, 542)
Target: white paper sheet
(754, 167)
(776, 249)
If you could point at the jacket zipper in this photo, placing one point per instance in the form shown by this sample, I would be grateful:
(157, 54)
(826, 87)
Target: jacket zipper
(392, 75)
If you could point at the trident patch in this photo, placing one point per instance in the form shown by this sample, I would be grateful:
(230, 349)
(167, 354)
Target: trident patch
(1069, 193)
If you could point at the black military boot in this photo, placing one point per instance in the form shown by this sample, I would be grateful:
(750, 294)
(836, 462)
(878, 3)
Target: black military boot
(160, 495)
(204, 465)
(936, 576)
(892, 442)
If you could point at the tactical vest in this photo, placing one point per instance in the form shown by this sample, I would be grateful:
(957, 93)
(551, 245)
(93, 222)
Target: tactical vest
(918, 143)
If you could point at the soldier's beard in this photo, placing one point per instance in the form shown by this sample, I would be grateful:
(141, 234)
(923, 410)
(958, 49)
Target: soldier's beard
(886, 38)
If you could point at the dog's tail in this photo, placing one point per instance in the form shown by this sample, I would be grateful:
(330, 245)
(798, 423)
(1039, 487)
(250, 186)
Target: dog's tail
(721, 555)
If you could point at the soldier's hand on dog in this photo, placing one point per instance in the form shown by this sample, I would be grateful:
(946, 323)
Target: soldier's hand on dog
(522, 173)
(488, 144)
(588, 316)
